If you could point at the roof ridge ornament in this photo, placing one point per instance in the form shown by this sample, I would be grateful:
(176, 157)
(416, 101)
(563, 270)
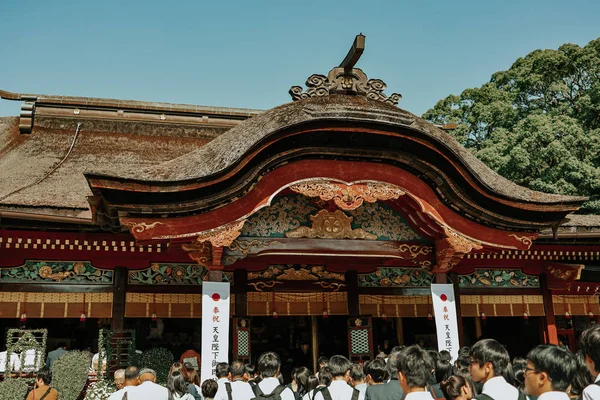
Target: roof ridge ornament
(345, 79)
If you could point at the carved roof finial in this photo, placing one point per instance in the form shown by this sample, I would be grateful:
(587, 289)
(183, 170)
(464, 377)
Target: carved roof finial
(346, 79)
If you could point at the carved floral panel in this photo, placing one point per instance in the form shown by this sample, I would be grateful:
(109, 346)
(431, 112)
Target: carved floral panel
(395, 277)
(69, 272)
(290, 212)
(284, 214)
(380, 220)
(172, 274)
(514, 278)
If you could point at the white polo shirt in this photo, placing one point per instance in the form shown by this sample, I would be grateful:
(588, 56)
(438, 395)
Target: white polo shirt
(498, 389)
(554, 396)
(418, 396)
(592, 392)
(339, 390)
(148, 391)
(267, 386)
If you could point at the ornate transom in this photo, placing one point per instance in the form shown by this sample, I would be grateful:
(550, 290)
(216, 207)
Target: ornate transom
(330, 225)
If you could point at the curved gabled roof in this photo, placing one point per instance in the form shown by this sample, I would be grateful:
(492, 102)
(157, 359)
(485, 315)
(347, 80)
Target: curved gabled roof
(342, 127)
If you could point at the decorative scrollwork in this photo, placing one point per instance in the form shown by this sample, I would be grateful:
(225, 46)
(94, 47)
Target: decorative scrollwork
(414, 250)
(526, 240)
(348, 197)
(334, 286)
(222, 236)
(259, 286)
(244, 246)
(139, 227)
(342, 81)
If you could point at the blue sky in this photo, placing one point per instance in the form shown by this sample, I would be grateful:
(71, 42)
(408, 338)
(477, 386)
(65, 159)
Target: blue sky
(248, 54)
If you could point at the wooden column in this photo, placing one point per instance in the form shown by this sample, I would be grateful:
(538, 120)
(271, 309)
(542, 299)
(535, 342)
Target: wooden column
(549, 335)
(240, 287)
(454, 279)
(478, 331)
(315, 341)
(119, 293)
(400, 331)
(352, 282)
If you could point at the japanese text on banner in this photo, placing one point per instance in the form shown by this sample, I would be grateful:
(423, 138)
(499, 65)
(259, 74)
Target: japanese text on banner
(215, 327)
(444, 307)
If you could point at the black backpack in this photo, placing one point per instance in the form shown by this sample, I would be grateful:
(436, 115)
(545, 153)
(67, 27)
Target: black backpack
(274, 395)
(327, 396)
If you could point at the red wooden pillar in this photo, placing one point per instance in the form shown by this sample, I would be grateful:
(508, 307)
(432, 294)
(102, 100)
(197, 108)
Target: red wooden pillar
(550, 335)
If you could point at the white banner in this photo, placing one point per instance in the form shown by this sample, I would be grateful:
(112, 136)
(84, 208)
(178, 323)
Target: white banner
(445, 318)
(215, 327)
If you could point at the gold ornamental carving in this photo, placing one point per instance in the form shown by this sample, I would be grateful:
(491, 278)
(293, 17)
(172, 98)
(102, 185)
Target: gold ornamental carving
(259, 286)
(46, 273)
(348, 197)
(565, 272)
(222, 236)
(139, 227)
(244, 246)
(526, 240)
(201, 252)
(292, 274)
(460, 243)
(330, 225)
(414, 250)
(452, 249)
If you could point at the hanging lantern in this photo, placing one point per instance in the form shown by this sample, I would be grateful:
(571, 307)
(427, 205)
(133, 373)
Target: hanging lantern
(23, 318)
(275, 314)
(429, 317)
(82, 317)
(567, 315)
(591, 315)
(384, 316)
(525, 316)
(325, 314)
(483, 317)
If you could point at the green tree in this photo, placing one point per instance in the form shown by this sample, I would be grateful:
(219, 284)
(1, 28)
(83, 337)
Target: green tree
(538, 123)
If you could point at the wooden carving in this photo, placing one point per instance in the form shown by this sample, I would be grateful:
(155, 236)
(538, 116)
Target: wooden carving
(223, 235)
(330, 225)
(451, 249)
(348, 197)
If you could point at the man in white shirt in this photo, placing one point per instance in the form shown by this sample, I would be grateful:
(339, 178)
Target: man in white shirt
(414, 367)
(549, 372)
(237, 389)
(132, 379)
(589, 343)
(222, 373)
(339, 389)
(269, 366)
(358, 380)
(489, 361)
(148, 389)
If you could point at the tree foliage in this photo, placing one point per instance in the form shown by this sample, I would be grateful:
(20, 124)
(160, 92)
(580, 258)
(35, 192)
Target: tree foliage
(538, 123)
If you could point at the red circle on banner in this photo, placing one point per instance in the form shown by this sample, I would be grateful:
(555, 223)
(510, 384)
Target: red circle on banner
(216, 297)
(443, 297)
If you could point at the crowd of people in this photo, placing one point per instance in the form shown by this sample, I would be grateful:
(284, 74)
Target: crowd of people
(483, 372)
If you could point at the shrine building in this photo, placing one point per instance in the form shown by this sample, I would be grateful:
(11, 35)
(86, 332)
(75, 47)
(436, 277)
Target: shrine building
(330, 216)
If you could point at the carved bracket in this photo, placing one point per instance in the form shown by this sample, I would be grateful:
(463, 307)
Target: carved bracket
(451, 249)
(348, 197)
(207, 249)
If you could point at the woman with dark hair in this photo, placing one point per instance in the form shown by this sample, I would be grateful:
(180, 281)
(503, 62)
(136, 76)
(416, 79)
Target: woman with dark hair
(582, 378)
(456, 388)
(192, 377)
(518, 369)
(177, 387)
(443, 370)
(301, 379)
(191, 388)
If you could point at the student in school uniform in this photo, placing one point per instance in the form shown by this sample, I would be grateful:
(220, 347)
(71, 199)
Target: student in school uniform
(549, 372)
(414, 367)
(589, 343)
